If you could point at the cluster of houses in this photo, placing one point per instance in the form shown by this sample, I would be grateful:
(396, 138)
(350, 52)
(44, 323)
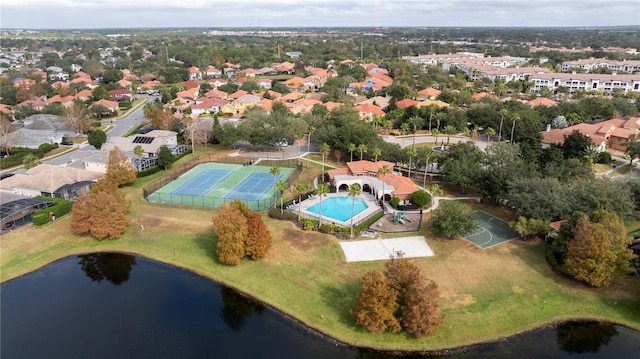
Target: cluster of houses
(477, 66)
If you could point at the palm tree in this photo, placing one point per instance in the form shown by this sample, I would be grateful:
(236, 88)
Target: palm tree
(435, 134)
(275, 172)
(428, 153)
(435, 191)
(489, 132)
(411, 152)
(300, 189)
(449, 130)
(416, 122)
(362, 148)
(352, 148)
(383, 171)
(354, 191)
(321, 191)
(387, 125)
(516, 117)
(503, 113)
(310, 129)
(324, 149)
(376, 153)
(404, 127)
(281, 186)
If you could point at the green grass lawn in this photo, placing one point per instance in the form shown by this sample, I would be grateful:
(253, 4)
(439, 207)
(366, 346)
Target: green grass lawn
(485, 294)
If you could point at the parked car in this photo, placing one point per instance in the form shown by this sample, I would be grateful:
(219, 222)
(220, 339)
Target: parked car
(66, 143)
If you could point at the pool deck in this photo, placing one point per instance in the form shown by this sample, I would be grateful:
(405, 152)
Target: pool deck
(370, 200)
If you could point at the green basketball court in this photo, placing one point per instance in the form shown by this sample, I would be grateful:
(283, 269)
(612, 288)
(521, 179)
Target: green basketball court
(491, 231)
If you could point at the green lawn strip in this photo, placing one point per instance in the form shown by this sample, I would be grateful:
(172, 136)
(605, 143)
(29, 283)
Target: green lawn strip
(487, 294)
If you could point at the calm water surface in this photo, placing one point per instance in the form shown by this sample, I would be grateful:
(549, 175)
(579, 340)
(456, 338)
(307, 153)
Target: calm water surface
(118, 306)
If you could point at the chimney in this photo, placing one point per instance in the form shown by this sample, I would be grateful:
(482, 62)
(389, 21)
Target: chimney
(548, 128)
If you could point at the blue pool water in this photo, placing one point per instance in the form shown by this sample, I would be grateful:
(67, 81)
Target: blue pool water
(339, 208)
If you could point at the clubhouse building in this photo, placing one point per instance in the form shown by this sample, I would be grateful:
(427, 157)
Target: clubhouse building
(366, 174)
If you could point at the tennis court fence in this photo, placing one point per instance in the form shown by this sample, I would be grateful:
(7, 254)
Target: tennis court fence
(214, 202)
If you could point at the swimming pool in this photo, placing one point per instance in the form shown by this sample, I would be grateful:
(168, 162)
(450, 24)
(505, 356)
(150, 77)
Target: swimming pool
(339, 208)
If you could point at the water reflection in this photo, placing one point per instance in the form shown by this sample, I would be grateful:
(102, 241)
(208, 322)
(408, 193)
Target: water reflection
(113, 267)
(237, 308)
(584, 337)
(165, 312)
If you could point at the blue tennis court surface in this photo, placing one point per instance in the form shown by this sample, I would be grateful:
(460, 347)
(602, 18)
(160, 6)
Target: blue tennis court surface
(203, 182)
(254, 187)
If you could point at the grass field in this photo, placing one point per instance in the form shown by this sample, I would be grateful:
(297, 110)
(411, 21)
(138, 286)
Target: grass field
(486, 294)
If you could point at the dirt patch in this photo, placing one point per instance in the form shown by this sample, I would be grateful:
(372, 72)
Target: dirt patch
(303, 240)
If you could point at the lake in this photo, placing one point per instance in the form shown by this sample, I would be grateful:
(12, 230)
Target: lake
(108, 305)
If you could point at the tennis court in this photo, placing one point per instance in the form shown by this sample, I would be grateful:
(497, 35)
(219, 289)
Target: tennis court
(203, 182)
(254, 187)
(491, 231)
(214, 184)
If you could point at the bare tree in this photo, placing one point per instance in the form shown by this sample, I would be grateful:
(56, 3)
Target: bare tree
(77, 118)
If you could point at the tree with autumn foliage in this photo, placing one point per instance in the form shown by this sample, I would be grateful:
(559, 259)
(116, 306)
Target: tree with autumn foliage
(119, 169)
(231, 227)
(376, 304)
(401, 298)
(241, 232)
(598, 252)
(259, 237)
(101, 215)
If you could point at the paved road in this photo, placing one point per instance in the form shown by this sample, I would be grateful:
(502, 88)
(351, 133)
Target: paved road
(120, 126)
(404, 141)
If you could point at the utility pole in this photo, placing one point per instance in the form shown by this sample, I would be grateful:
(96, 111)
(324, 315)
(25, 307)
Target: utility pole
(361, 51)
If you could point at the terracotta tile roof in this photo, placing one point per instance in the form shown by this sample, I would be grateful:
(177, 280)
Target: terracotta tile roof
(291, 96)
(5, 109)
(215, 93)
(406, 103)
(191, 93)
(265, 104)
(542, 101)
(83, 80)
(106, 103)
(191, 84)
(479, 96)
(429, 92)
(332, 105)
(238, 94)
(274, 95)
(369, 108)
(60, 99)
(84, 94)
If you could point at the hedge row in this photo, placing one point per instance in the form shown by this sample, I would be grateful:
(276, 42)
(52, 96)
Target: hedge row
(364, 225)
(148, 172)
(17, 156)
(60, 208)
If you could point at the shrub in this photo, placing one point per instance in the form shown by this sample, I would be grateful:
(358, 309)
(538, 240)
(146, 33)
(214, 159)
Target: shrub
(60, 208)
(395, 202)
(364, 225)
(327, 228)
(284, 216)
(604, 157)
(420, 198)
(308, 224)
(148, 172)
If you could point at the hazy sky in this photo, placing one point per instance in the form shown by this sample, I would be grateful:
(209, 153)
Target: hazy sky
(65, 14)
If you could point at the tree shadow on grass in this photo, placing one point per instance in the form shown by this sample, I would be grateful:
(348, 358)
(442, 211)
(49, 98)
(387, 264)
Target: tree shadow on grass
(207, 241)
(342, 297)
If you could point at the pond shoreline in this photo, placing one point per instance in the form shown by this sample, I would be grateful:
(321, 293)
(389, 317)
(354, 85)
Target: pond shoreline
(328, 336)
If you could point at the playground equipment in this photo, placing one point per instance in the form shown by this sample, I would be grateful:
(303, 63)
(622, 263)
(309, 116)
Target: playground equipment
(398, 217)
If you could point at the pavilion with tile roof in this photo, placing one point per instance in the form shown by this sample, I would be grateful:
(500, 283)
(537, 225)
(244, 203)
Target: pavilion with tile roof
(365, 173)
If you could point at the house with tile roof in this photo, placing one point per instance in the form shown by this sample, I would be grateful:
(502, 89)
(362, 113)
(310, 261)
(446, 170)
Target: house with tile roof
(407, 102)
(84, 95)
(606, 135)
(213, 73)
(194, 73)
(365, 173)
(428, 94)
(121, 95)
(111, 106)
(542, 101)
(368, 111)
